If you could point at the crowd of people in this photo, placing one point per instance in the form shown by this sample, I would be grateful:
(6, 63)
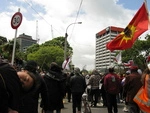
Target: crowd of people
(21, 89)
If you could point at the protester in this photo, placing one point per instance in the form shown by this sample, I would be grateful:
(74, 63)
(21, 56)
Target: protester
(112, 87)
(94, 81)
(125, 109)
(131, 86)
(30, 99)
(27, 80)
(56, 88)
(78, 86)
(120, 95)
(103, 92)
(12, 83)
(142, 98)
(88, 88)
(68, 89)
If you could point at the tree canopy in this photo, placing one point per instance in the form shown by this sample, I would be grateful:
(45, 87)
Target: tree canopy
(50, 51)
(138, 53)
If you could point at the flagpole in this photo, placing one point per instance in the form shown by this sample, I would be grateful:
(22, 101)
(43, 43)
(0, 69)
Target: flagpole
(119, 63)
(146, 4)
(147, 13)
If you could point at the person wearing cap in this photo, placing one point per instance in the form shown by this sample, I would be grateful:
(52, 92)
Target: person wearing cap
(78, 86)
(112, 85)
(142, 98)
(131, 86)
(12, 85)
(29, 100)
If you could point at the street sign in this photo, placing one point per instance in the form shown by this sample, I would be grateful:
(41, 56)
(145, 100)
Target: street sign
(16, 20)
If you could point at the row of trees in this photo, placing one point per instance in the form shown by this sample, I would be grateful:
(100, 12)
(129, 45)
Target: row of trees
(53, 51)
(44, 54)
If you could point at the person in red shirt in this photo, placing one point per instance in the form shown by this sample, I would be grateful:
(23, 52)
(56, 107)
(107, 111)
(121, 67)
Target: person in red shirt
(112, 87)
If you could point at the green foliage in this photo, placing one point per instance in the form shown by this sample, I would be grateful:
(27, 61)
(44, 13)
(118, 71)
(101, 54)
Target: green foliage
(46, 55)
(7, 49)
(138, 52)
(21, 55)
(3, 40)
(59, 41)
(33, 48)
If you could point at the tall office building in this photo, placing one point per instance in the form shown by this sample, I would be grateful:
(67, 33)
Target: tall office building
(104, 57)
(25, 41)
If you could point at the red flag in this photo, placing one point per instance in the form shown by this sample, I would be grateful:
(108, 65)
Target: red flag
(135, 28)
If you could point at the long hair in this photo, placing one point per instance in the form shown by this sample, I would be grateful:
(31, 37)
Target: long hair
(145, 72)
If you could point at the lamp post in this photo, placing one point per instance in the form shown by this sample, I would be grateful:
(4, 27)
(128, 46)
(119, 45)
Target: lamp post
(66, 35)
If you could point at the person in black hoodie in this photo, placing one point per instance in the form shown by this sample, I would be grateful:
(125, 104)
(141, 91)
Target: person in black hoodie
(78, 86)
(10, 88)
(12, 83)
(55, 81)
(29, 99)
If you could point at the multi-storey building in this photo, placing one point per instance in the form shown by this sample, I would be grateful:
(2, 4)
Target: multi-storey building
(25, 41)
(104, 57)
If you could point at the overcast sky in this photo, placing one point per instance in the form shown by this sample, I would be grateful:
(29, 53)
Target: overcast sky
(54, 16)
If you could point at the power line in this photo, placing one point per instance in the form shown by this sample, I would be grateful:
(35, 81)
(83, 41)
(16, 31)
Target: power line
(53, 27)
(78, 11)
(76, 17)
(74, 26)
(41, 16)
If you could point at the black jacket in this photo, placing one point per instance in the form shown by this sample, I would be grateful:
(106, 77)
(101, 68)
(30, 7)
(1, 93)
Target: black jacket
(56, 89)
(29, 100)
(77, 83)
(10, 88)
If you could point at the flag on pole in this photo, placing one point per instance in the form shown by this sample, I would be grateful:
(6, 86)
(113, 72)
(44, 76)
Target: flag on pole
(65, 64)
(137, 26)
(118, 58)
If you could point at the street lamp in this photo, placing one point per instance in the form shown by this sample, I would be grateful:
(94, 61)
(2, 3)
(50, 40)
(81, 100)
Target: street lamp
(66, 35)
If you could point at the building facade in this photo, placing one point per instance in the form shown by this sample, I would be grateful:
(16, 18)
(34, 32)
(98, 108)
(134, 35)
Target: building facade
(25, 41)
(104, 57)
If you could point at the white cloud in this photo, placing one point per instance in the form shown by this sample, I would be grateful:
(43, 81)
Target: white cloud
(58, 14)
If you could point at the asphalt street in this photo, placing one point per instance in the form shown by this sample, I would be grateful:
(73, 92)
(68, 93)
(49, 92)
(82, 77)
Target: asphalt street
(99, 109)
